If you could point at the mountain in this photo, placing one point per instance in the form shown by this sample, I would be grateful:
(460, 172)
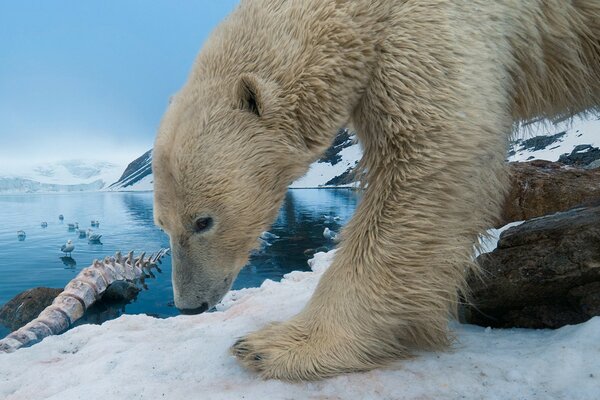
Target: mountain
(333, 169)
(137, 176)
(60, 176)
(575, 142)
(336, 167)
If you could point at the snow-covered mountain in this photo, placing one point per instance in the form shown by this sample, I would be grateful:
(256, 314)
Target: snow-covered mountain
(60, 176)
(137, 176)
(334, 169)
(573, 142)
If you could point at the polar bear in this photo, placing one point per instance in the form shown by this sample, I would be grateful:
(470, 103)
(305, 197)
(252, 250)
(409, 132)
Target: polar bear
(433, 89)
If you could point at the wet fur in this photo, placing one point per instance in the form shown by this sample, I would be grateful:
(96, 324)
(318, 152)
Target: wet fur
(433, 89)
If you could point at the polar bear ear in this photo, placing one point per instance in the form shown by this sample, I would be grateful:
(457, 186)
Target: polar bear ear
(249, 95)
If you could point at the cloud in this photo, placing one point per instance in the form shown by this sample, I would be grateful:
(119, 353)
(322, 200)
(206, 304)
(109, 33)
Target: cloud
(21, 152)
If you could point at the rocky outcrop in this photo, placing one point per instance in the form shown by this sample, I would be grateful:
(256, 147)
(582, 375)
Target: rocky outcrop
(341, 141)
(543, 187)
(582, 156)
(535, 143)
(545, 273)
(347, 177)
(25, 306)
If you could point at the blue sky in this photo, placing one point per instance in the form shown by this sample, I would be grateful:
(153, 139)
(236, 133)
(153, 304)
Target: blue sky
(91, 79)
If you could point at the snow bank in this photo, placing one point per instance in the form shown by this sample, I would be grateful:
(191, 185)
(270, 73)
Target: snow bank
(186, 357)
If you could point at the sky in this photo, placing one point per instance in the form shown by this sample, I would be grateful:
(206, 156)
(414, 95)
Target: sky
(91, 79)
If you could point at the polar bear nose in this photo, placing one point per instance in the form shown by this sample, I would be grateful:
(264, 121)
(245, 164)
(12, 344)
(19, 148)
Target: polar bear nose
(193, 311)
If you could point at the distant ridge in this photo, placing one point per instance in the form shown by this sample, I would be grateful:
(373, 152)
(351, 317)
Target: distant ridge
(20, 185)
(571, 142)
(72, 175)
(335, 168)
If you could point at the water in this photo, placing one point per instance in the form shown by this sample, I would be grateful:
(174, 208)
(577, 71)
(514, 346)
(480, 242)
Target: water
(126, 223)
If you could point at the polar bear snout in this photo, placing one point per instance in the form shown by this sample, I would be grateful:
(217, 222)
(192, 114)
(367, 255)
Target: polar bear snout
(198, 282)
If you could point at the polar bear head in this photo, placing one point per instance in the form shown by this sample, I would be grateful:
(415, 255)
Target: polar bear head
(226, 151)
(264, 100)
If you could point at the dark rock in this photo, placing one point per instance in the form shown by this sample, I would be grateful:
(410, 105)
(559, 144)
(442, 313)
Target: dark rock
(332, 154)
(588, 298)
(545, 273)
(543, 187)
(312, 252)
(345, 178)
(26, 306)
(535, 143)
(120, 291)
(593, 165)
(582, 155)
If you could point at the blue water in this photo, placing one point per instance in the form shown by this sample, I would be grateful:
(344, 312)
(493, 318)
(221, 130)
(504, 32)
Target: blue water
(126, 223)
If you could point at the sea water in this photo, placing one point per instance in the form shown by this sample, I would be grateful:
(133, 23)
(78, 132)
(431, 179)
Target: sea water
(126, 223)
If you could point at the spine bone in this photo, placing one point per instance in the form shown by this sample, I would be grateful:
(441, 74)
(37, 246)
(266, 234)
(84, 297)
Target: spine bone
(79, 294)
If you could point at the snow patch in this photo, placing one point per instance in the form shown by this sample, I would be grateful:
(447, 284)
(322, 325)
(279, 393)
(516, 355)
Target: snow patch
(489, 241)
(320, 173)
(188, 357)
(581, 130)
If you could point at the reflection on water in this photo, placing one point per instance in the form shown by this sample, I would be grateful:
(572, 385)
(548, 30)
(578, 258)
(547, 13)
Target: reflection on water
(68, 261)
(126, 223)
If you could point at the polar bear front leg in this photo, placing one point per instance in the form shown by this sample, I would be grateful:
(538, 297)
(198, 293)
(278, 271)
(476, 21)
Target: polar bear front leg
(344, 328)
(434, 128)
(395, 280)
(390, 289)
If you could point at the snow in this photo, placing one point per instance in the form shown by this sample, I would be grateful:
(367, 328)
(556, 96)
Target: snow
(581, 130)
(143, 185)
(187, 357)
(320, 173)
(489, 241)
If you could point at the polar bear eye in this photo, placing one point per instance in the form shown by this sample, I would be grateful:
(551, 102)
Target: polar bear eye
(203, 224)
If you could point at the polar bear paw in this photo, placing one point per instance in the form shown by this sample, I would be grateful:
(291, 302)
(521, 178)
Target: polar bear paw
(292, 352)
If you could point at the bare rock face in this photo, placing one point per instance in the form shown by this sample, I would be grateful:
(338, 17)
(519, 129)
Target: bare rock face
(26, 306)
(544, 273)
(543, 187)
